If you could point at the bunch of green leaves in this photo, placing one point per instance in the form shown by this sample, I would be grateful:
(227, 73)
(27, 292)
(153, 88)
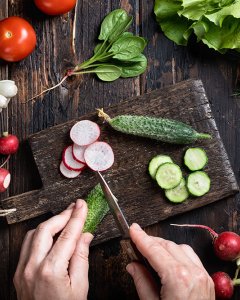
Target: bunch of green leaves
(118, 53)
(214, 22)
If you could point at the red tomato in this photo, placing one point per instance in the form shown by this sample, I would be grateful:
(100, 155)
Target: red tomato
(55, 7)
(17, 39)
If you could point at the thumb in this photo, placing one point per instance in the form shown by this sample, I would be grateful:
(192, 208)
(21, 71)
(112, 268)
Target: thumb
(145, 285)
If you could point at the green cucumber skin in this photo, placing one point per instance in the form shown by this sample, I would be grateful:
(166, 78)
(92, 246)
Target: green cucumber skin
(165, 130)
(97, 209)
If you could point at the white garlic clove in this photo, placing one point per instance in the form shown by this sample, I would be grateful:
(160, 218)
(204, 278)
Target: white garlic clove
(8, 88)
(3, 101)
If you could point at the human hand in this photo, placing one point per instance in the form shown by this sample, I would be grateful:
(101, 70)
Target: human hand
(179, 268)
(51, 268)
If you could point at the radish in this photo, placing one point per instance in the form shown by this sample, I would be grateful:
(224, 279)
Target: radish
(84, 133)
(99, 156)
(78, 153)
(5, 179)
(226, 244)
(223, 284)
(68, 173)
(70, 162)
(9, 144)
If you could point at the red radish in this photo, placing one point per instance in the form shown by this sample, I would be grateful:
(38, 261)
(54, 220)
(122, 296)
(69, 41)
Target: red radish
(5, 179)
(84, 133)
(78, 153)
(70, 162)
(99, 156)
(224, 286)
(68, 173)
(9, 144)
(226, 244)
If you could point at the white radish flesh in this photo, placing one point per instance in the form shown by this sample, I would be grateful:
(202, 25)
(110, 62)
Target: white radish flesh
(5, 179)
(8, 88)
(68, 173)
(78, 153)
(84, 133)
(99, 156)
(70, 162)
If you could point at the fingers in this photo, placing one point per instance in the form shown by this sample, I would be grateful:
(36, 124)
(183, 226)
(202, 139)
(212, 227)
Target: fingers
(43, 236)
(158, 257)
(192, 255)
(66, 243)
(24, 255)
(145, 285)
(78, 268)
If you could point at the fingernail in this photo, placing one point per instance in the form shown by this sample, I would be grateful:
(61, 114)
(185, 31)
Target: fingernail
(135, 226)
(79, 203)
(71, 206)
(88, 238)
(130, 269)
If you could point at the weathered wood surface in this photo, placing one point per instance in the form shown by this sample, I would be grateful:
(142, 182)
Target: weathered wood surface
(168, 63)
(129, 178)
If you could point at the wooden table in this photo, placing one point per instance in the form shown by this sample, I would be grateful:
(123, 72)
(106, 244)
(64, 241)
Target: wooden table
(168, 64)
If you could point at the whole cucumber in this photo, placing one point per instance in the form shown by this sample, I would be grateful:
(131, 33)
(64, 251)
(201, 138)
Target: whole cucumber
(165, 130)
(97, 209)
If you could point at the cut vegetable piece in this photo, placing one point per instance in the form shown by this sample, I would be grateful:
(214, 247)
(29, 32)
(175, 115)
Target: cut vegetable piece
(97, 209)
(99, 156)
(156, 162)
(70, 162)
(68, 173)
(179, 193)
(84, 133)
(78, 153)
(198, 183)
(195, 159)
(168, 175)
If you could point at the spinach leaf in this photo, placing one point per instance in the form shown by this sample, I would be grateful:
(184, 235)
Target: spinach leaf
(114, 25)
(108, 72)
(135, 67)
(127, 48)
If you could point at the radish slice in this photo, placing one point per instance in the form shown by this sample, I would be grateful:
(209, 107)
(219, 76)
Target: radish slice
(68, 173)
(99, 156)
(84, 133)
(78, 153)
(70, 162)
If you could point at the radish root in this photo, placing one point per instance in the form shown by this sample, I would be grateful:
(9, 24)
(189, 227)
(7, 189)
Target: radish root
(4, 163)
(5, 212)
(210, 230)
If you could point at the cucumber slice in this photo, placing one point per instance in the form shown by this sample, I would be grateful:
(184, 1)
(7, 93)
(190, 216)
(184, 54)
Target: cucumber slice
(195, 159)
(179, 193)
(156, 162)
(168, 175)
(198, 183)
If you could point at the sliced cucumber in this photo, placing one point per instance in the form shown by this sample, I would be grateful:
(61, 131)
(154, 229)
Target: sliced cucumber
(168, 175)
(195, 159)
(198, 183)
(156, 162)
(179, 193)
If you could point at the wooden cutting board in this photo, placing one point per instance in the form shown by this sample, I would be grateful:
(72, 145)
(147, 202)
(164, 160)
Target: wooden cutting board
(140, 198)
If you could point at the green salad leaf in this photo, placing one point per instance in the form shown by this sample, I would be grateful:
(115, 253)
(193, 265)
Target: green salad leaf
(214, 22)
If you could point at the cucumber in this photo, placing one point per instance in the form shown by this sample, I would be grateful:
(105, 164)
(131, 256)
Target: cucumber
(97, 209)
(156, 162)
(195, 159)
(165, 130)
(198, 183)
(179, 193)
(168, 175)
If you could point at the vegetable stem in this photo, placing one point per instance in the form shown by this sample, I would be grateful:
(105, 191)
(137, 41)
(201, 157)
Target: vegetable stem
(6, 160)
(103, 115)
(204, 136)
(236, 273)
(210, 230)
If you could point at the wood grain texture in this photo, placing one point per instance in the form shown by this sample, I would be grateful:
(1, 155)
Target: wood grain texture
(129, 179)
(168, 63)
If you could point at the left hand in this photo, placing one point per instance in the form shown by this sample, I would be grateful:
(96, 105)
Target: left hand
(55, 270)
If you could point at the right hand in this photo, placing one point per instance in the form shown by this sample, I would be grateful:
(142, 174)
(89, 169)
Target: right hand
(183, 277)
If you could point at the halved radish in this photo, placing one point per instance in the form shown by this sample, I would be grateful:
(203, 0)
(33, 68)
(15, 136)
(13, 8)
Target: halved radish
(99, 156)
(68, 173)
(5, 179)
(84, 133)
(69, 161)
(78, 153)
